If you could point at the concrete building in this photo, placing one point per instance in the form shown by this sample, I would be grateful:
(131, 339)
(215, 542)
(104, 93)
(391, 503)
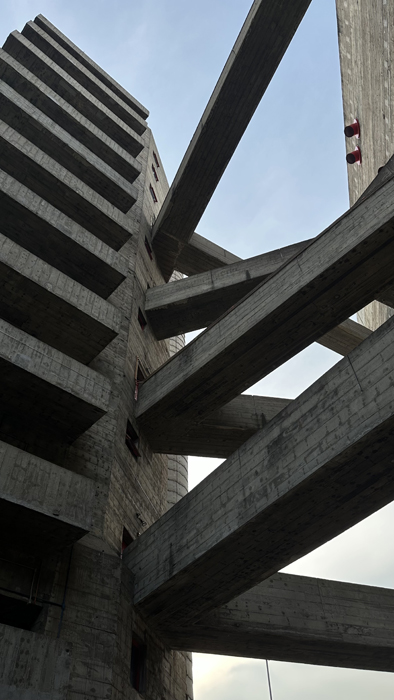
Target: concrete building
(110, 572)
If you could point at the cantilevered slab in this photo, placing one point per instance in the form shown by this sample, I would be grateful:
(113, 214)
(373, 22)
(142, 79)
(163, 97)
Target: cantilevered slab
(300, 620)
(36, 127)
(321, 466)
(58, 240)
(44, 392)
(200, 255)
(261, 44)
(42, 174)
(67, 117)
(338, 273)
(42, 301)
(44, 507)
(73, 67)
(64, 41)
(73, 92)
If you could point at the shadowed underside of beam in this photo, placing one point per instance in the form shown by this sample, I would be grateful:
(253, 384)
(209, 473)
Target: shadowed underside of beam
(339, 272)
(321, 466)
(301, 620)
(200, 255)
(260, 46)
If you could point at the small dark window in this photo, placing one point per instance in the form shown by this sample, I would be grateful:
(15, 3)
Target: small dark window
(126, 539)
(155, 175)
(18, 613)
(132, 440)
(138, 664)
(155, 158)
(153, 193)
(141, 319)
(148, 248)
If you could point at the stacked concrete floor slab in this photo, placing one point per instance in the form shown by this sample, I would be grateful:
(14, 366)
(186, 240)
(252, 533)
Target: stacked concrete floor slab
(110, 572)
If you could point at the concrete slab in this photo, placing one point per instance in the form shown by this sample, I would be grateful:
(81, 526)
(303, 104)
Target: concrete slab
(339, 272)
(321, 466)
(68, 118)
(44, 133)
(39, 172)
(58, 240)
(248, 71)
(300, 620)
(44, 508)
(44, 392)
(200, 255)
(43, 302)
(69, 89)
(83, 75)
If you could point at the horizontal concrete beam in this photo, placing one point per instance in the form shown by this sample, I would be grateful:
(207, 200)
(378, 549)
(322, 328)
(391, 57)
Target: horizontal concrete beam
(73, 92)
(249, 69)
(51, 48)
(61, 39)
(300, 620)
(67, 117)
(200, 255)
(44, 133)
(44, 392)
(45, 303)
(44, 508)
(322, 465)
(58, 240)
(336, 274)
(42, 174)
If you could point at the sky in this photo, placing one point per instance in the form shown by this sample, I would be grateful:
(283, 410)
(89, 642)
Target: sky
(286, 182)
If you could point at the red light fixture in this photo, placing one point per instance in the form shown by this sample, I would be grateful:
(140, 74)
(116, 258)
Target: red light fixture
(353, 129)
(354, 156)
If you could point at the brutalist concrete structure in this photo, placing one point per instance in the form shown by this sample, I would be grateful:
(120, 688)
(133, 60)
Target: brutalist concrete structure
(110, 572)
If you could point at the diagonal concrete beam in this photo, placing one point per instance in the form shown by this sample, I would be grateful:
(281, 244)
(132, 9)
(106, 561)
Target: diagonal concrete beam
(338, 273)
(301, 620)
(321, 466)
(200, 255)
(261, 44)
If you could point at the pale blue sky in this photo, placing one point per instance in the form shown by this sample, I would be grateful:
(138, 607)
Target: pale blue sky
(286, 182)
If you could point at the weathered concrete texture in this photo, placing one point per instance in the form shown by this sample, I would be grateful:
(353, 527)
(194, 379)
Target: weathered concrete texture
(48, 179)
(68, 118)
(33, 666)
(64, 41)
(321, 466)
(345, 337)
(374, 315)
(39, 129)
(69, 89)
(339, 272)
(200, 255)
(45, 303)
(248, 71)
(44, 508)
(51, 48)
(300, 620)
(45, 392)
(58, 240)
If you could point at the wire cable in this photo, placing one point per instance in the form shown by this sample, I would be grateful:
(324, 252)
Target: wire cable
(269, 679)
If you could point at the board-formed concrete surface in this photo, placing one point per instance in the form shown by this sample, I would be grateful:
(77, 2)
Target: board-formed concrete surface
(58, 240)
(45, 303)
(44, 507)
(300, 620)
(321, 466)
(334, 276)
(200, 255)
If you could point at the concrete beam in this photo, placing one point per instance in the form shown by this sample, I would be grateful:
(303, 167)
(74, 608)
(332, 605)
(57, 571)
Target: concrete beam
(260, 46)
(337, 273)
(64, 41)
(300, 620)
(45, 393)
(57, 53)
(75, 94)
(321, 466)
(58, 240)
(42, 174)
(44, 133)
(43, 302)
(67, 117)
(201, 255)
(44, 508)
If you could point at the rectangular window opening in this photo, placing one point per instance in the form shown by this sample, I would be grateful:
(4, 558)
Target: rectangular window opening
(155, 175)
(138, 664)
(126, 540)
(148, 248)
(153, 193)
(155, 158)
(132, 440)
(18, 612)
(141, 319)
